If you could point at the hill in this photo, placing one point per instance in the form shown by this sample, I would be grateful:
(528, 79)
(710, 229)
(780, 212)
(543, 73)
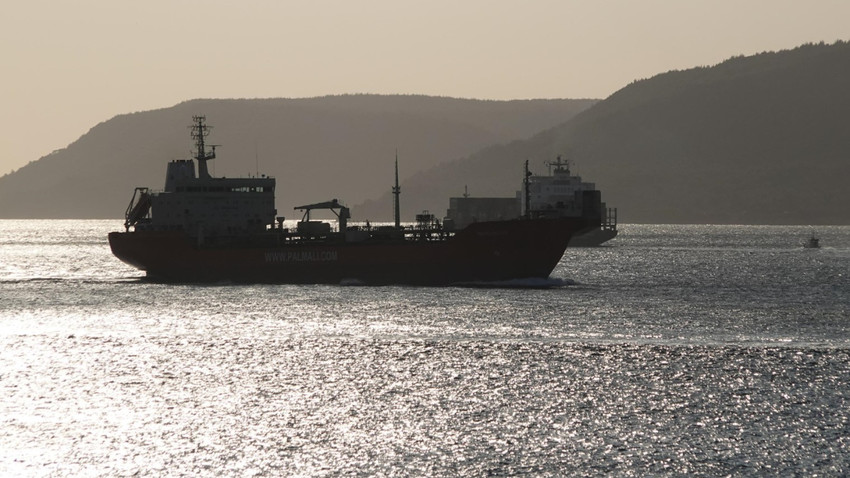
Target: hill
(763, 139)
(317, 148)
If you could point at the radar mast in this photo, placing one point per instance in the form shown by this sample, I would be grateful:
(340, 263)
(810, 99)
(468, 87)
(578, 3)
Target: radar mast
(199, 131)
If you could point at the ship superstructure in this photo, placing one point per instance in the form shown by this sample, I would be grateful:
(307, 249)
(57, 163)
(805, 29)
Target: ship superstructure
(201, 204)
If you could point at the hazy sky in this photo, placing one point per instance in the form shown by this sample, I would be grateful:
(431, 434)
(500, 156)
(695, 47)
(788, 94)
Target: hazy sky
(70, 64)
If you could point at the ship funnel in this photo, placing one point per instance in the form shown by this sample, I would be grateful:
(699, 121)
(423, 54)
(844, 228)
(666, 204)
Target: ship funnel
(178, 172)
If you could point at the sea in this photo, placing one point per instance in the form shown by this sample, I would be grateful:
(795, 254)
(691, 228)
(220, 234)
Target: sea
(673, 350)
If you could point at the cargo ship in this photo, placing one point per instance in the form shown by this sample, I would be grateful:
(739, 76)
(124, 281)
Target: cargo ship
(560, 193)
(557, 194)
(201, 228)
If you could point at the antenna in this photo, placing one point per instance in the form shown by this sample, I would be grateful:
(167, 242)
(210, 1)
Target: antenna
(396, 194)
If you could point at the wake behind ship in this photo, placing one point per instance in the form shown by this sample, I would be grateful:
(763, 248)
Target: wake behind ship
(206, 229)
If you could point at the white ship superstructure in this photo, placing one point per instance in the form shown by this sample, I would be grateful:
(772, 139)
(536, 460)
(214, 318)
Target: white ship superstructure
(559, 190)
(201, 204)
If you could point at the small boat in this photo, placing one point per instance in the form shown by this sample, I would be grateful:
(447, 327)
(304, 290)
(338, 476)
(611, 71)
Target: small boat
(812, 243)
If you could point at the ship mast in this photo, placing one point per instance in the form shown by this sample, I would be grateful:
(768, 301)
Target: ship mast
(527, 191)
(396, 194)
(560, 166)
(199, 131)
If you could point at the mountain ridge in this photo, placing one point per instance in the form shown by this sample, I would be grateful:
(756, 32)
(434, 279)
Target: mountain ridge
(759, 139)
(753, 140)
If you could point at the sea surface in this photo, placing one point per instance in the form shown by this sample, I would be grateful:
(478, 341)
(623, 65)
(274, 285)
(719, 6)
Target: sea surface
(672, 351)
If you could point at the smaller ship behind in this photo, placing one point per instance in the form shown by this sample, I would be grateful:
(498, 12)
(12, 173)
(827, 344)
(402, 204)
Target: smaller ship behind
(558, 194)
(813, 242)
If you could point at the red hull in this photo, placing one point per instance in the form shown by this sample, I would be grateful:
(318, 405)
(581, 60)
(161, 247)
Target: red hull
(486, 251)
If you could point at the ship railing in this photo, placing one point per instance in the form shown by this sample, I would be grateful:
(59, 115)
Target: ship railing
(426, 235)
(411, 232)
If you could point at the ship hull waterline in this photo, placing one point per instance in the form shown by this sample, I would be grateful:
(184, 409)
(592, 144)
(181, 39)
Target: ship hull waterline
(483, 252)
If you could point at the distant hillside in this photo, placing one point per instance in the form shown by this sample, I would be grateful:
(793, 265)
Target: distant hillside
(763, 139)
(318, 148)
